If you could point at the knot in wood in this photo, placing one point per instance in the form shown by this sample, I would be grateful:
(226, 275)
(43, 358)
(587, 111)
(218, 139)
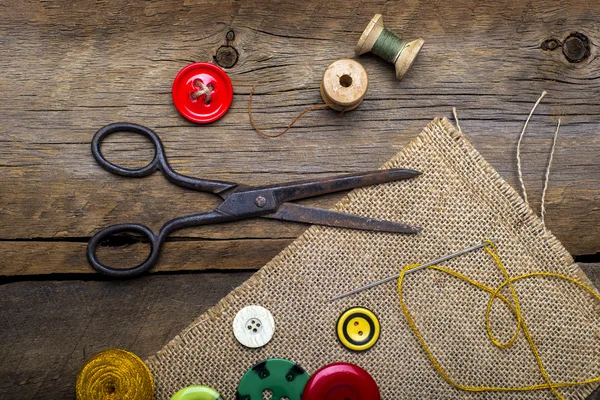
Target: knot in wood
(230, 36)
(576, 47)
(550, 44)
(226, 56)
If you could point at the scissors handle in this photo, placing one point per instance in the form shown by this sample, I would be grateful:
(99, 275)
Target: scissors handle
(156, 240)
(159, 161)
(121, 228)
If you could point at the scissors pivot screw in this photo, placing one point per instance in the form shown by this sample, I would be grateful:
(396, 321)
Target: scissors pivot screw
(260, 201)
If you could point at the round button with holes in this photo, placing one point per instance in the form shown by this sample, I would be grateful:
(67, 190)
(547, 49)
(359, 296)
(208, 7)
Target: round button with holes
(197, 392)
(253, 326)
(341, 381)
(358, 329)
(284, 378)
(202, 92)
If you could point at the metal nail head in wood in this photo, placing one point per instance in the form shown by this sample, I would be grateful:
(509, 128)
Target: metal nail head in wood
(420, 267)
(387, 45)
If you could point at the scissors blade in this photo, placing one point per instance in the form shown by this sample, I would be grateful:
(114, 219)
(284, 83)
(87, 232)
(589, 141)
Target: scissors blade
(319, 216)
(302, 189)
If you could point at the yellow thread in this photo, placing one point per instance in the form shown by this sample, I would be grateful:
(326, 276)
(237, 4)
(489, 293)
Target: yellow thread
(114, 374)
(516, 310)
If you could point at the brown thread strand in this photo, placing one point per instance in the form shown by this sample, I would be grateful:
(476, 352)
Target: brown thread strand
(309, 109)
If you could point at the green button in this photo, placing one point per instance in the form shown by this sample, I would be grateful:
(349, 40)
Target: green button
(283, 377)
(197, 393)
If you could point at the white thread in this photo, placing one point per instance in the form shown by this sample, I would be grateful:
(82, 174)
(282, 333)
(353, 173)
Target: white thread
(543, 207)
(204, 90)
(519, 147)
(456, 119)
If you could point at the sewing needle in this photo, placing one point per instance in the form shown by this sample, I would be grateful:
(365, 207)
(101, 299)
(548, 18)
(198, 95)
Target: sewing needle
(430, 263)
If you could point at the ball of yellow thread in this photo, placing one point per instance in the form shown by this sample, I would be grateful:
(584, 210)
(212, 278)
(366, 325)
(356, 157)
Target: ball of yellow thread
(114, 374)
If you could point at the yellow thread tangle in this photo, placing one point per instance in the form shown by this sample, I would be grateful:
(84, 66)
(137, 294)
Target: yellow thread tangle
(114, 374)
(516, 310)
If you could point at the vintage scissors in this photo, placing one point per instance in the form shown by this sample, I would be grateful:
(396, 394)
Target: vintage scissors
(239, 201)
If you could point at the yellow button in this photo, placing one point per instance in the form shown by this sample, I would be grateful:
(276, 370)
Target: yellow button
(358, 329)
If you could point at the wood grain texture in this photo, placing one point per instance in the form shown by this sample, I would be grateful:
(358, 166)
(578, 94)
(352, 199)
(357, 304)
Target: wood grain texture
(50, 328)
(69, 68)
(177, 256)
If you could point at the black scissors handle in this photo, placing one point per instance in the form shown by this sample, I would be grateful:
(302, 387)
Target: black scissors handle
(159, 161)
(121, 228)
(156, 240)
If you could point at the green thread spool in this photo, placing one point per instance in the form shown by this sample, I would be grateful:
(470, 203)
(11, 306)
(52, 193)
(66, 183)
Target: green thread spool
(387, 45)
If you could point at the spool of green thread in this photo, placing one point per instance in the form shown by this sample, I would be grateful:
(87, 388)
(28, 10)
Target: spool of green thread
(387, 45)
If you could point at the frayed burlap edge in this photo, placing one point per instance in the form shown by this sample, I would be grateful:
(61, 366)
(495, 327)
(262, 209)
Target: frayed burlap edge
(531, 222)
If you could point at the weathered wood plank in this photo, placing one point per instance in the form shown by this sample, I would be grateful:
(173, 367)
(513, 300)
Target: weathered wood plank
(49, 328)
(69, 68)
(23, 258)
(592, 270)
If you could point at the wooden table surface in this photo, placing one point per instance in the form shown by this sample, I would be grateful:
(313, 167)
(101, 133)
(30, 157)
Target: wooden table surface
(68, 68)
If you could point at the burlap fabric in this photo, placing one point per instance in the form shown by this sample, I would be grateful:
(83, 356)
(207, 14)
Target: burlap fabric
(459, 201)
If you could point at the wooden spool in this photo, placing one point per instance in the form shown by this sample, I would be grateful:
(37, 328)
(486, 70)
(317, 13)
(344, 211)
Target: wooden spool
(344, 85)
(402, 60)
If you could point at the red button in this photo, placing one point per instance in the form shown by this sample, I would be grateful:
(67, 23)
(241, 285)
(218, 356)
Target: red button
(341, 381)
(202, 92)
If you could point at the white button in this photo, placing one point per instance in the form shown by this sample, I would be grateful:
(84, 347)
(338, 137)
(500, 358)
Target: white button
(253, 326)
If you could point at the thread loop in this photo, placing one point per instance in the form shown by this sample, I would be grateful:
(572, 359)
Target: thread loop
(515, 308)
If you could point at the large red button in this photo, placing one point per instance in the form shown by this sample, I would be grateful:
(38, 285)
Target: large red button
(341, 381)
(202, 92)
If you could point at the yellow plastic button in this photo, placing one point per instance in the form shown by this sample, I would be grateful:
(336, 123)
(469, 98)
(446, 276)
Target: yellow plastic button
(358, 329)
